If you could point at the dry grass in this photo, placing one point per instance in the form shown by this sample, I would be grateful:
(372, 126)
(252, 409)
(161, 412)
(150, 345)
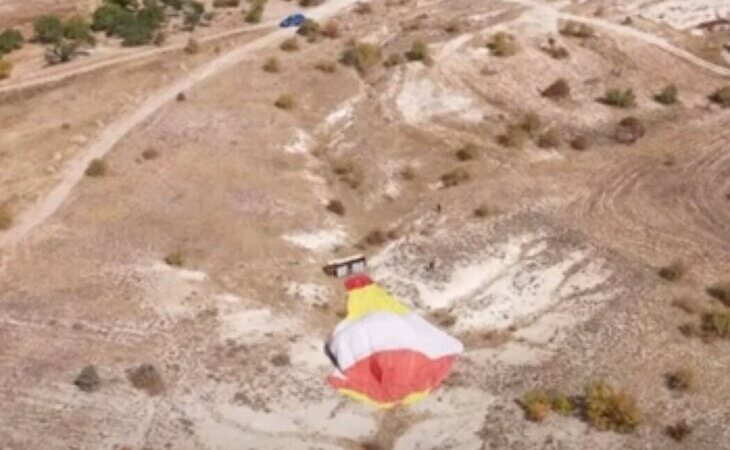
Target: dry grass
(150, 154)
(271, 65)
(285, 101)
(453, 26)
(619, 98)
(97, 168)
(468, 152)
(678, 431)
(455, 178)
(721, 97)
(608, 409)
(681, 379)
(716, 324)
(537, 405)
(514, 136)
(482, 211)
(418, 52)
(175, 259)
(720, 292)
(394, 59)
(562, 404)
(672, 272)
(147, 378)
(668, 95)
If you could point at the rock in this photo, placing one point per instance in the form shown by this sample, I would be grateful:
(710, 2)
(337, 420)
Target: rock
(88, 380)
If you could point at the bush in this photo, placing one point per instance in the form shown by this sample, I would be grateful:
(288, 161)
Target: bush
(531, 123)
(285, 101)
(455, 178)
(326, 66)
(562, 405)
(181, 97)
(148, 379)
(678, 431)
(503, 44)
(716, 324)
(468, 152)
(78, 29)
(61, 52)
(48, 29)
(672, 272)
(175, 259)
(394, 59)
(375, 238)
(108, 16)
(271, 65)
(721, 97)
(6, 218)
(408, 173)
(226, 3)
(192, 14)
(88, 379)
(558, 90)
(536, 405)
(609, 410)
(364, 8)
(256, 12)
(453, 26)
(10, 40)
(513, 137)
(576, 29)
(150, 154)
(192, 47)
(721, 292)
(681, 380)
(362, 55)
(348, 173)
(6, 69)
(619, 98)
(331, 30)
(550, 138)
(482, 211)
(418, 51)
(337, 207)
(629, 130)
(309, 29)
(668, 95)
(96, 168)
(579, 143)
(290, 45)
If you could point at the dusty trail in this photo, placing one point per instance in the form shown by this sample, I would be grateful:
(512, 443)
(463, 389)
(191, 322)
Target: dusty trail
(630, 33)
(74, 171)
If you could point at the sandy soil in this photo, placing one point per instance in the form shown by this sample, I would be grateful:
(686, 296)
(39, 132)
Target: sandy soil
(552, 286)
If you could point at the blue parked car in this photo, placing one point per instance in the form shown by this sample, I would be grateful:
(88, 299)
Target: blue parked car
(293, 21)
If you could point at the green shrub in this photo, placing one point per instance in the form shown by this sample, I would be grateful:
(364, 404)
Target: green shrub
(668, 95)
(285, 101)
(362, 55)
(720, 292)
(536, 405)
(10, 40)
(6, 68)
(6, 218)
(607, 409)
(48, 29)
(503, 44)
(107, 16)
(619, 98)
(721, 97)
(192, 14)
(271, 65)
(96, 168)
(256, 13)
(78, 29)
(418, 51)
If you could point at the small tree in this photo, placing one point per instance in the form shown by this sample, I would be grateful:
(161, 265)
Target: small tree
(668, 95)
(48, 29)
(6, 68)
(78, 29)
(10, 40)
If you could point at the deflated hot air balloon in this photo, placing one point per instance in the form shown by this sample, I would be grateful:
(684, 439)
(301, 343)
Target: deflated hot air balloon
(385, 354)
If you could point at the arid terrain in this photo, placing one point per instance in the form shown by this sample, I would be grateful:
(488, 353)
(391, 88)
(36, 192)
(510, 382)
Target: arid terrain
(165, 215)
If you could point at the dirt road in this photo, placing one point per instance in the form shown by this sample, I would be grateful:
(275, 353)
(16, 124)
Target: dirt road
(74, 171)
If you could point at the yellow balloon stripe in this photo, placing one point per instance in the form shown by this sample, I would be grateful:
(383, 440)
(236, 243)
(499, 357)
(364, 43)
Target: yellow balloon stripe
(369, 299)
(408, 400)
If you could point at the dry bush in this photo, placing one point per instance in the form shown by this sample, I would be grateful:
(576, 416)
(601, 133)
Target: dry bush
(192, 46)
(619, 98)
(331, 30)
(226, 3)
(285, 101)
(503, 44)
(280, 360)
(550, 138)
(376, 238)
(716, 324)
(468, 152)
(361, 55)
(6, 69)
(453, 26)
(147, 378)
(159, 39)
(720, 292)
(537, 405)
(531, 123)
(576, 29)
(290, 45)
(721, 97)
(175, 259)
(96, 168)
(326, 66)
(444, 318)
(562, 404)
(181, 97)
(150, 154)
(394, 59)
(672, 272)
(629, 130)
(560, 89)
(678, 431)
(687, 305)
(256, 13)
(271, 65)
(579, 143)
(668, 95)
(555, 51)
(6, 218)
(88, 379)
(418, 51)
(681, 379)
(309, 29)
(348, 173)
(336, 207)
(482, 211)
(607, 409)
(455, 178)
(513, 137)
(310, 2)
(364, 8)
(408, 173)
